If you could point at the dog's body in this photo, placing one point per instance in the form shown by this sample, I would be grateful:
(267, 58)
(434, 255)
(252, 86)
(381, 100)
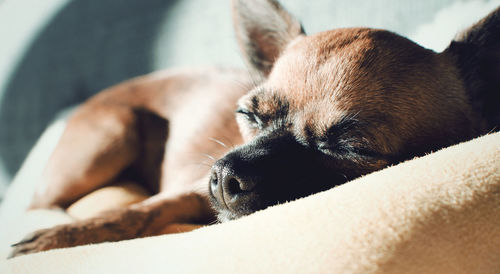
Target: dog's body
(326, 108)
(122, 126)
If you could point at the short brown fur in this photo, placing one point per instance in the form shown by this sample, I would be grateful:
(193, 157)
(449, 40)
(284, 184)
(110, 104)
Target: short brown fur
(383, 98)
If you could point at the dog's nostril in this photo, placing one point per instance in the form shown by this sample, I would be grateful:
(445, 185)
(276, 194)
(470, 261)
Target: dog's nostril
(233, 186)
(214, 182)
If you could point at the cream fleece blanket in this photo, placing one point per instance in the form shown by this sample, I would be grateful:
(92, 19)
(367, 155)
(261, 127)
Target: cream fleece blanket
(435, 214)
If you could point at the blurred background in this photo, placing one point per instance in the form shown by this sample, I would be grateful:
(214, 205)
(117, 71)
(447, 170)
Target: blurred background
(54, 54)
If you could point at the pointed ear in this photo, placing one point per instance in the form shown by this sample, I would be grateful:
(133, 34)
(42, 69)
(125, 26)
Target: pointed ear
(263, 30)
(477, 55)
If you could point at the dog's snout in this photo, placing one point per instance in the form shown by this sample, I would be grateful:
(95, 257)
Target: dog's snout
(272, 169)
(234, 186)
(228, 187)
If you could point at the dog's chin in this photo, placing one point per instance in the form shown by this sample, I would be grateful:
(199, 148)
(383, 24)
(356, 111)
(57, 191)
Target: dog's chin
(225, 215)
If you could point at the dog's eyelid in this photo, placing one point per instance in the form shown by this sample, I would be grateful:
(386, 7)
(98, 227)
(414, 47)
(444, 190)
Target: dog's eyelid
(251, 117)
(243, 111)
(348, 146)
(363, 150)
(324, 146)
(343, 126)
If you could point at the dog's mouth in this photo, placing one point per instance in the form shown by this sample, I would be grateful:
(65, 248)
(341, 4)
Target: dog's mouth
(224, 215)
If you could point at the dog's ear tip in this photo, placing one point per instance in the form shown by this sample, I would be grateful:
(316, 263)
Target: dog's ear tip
(486, 30)
(263, 29)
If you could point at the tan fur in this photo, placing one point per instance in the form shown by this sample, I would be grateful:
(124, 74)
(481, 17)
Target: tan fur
(127, 126)
(166, 129)
(325, 81)
(107, 198)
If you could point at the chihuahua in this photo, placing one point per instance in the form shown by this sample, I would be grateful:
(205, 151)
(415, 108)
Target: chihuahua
(315, 112)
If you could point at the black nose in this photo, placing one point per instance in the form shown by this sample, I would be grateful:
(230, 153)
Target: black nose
(230, 188)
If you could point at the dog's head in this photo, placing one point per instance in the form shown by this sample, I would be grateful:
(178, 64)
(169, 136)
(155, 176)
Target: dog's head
(342, 103)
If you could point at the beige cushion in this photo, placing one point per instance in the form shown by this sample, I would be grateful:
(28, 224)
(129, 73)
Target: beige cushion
(435, 214)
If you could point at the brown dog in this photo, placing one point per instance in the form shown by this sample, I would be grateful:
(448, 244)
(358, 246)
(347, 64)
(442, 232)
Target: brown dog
(329, 107)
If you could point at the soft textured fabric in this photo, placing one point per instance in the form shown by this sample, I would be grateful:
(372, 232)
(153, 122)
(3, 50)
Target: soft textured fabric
(435, 214)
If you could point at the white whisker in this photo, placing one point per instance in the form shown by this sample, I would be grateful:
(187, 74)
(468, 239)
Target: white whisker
(209, 156)
(218, 142)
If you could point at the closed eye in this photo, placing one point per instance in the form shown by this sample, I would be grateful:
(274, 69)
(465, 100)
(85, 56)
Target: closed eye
(324, 146)
(250, 116)
(347, 148)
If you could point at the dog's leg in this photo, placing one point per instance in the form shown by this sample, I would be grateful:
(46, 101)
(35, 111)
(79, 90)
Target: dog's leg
(130, 121)
(115, 131)
(154, 216)
(107, 142)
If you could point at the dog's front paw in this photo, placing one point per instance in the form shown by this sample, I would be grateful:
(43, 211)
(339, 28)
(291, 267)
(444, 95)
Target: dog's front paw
(44, 239)
(115, 225)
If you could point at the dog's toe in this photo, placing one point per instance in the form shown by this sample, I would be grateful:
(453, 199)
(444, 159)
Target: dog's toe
(27, 239)
(39, 240)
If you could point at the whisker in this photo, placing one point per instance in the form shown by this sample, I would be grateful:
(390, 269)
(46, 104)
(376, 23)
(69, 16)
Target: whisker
(245, 85)
(209, 156)
(201, 165)
(202, 189)
(492, 130)
(345, 177)
(213, 222)
(218, 142)
(228, 140)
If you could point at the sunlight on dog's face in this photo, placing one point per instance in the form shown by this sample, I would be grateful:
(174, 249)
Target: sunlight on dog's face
(333, 106)
(336, 105)
(348, 76)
